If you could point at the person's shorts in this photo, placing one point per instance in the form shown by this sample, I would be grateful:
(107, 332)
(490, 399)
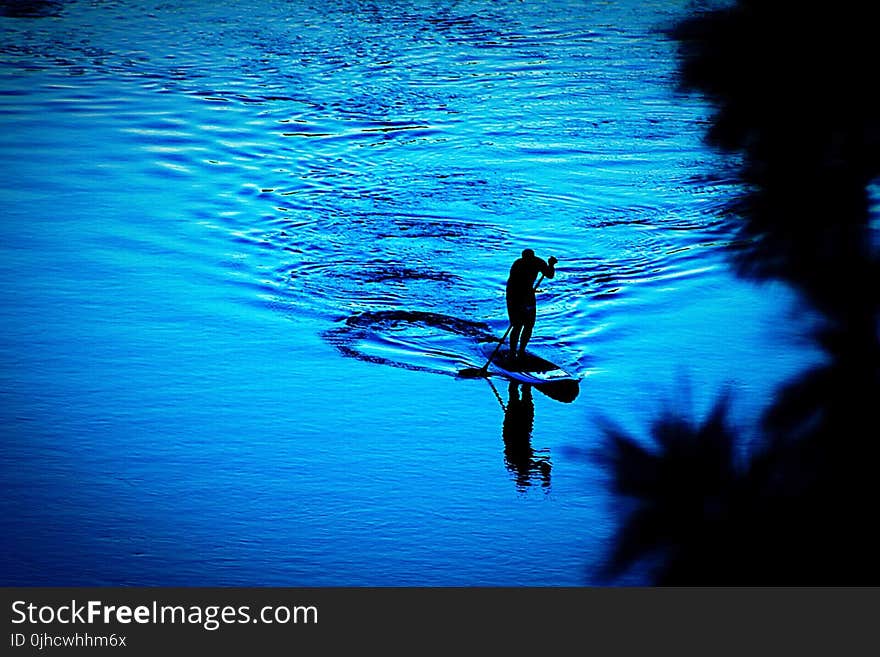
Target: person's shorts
(521, 312)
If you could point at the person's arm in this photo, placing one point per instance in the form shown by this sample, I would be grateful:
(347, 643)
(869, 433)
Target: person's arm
(549, 270)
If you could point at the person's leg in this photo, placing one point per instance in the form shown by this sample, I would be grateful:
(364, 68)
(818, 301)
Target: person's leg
(524, 339)
(514, 337)
(514, 314)
(527, 327)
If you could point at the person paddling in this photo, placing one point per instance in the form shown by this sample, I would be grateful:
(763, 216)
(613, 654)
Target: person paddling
(521, 303)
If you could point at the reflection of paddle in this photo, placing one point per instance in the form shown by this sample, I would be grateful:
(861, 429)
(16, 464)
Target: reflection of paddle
(473, 372)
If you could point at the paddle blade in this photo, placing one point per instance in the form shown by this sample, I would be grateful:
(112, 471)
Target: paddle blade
(472, 372)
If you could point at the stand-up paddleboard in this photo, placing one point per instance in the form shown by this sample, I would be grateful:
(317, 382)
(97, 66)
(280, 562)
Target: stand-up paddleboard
(534, 370)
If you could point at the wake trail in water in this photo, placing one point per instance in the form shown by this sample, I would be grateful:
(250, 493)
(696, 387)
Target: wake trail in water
(414, 340)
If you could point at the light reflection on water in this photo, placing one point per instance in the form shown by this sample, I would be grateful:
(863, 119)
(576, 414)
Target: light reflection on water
(195, 200)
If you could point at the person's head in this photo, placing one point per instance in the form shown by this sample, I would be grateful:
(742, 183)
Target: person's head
(528, 253)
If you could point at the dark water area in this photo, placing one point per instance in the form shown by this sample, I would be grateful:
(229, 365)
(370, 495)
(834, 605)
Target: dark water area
(247, 246)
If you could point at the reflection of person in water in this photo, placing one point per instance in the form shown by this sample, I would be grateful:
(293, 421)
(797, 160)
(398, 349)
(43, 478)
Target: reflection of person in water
(521, 459)
(521, 304)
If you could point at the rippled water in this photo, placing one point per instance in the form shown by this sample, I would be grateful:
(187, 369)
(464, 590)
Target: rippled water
(245, 245)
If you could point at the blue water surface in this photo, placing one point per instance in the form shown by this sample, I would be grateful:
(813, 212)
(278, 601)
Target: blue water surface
(246, 246)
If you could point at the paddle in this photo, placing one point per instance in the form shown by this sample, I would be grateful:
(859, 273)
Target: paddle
(473, 372)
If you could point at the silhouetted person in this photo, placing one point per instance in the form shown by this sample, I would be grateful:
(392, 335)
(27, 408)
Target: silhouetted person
(521, 303)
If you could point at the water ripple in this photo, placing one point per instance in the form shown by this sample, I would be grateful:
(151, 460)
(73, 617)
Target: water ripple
(349, 172)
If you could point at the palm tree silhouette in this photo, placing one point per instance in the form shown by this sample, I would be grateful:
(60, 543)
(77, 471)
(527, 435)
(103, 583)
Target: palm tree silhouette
(792, 88)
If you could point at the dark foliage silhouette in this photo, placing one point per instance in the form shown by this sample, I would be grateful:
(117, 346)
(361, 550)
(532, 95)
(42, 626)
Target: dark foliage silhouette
(792, 88)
